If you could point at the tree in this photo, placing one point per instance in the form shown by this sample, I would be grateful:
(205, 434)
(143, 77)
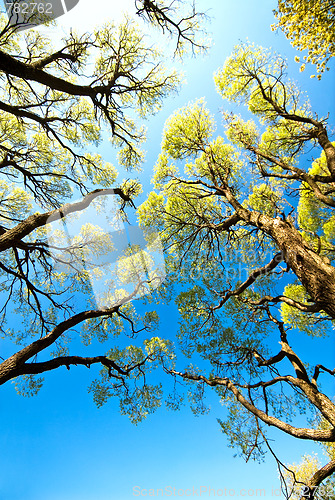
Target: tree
(185, 28)
(233, 197)
(57, 105)
(297, 475)
(248, 227)
(309, 24)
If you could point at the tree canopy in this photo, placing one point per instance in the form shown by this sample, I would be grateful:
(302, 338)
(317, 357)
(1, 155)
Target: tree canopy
(309, 24)
(246, 222)
(247, 225)
(57, 106)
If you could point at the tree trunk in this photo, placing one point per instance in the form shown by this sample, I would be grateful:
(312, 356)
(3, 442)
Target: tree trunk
(315, 274)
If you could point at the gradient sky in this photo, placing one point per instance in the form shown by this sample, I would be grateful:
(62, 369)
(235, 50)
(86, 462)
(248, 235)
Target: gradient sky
(58, 445)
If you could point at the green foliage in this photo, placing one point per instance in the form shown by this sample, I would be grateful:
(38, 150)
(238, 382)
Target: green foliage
(16, 203)
(151, 320)
(240, 430)
(218, 205)
(309, 24)
(265, 200)
(315, 218)
(56, 109)
(254, 76)
(187, 130)
(137, 398)
(28, 385)
(297, 476)
(312, 324)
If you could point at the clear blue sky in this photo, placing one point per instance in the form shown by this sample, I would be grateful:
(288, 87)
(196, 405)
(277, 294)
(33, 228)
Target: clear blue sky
(58, 445)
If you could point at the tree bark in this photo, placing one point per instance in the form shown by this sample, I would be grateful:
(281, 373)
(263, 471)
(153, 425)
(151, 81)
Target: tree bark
(314, 273)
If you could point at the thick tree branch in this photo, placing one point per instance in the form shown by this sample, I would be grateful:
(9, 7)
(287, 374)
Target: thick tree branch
(298, 174)
(11, 237)
(55, 56)
(315, 274)
(11, 66)
(52, 364)
(13, 363)
(321, 475)
(301, 433)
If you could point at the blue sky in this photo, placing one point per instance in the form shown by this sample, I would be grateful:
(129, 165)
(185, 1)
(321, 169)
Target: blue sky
(58, 445)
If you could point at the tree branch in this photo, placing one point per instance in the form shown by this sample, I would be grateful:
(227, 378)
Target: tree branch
(281, 298)
(52, 364)
(321, 475)
(317, 370)
(301, 433)
(250, 280)
(12, 236)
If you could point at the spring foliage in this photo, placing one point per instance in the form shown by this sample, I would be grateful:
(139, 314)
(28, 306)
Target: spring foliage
(309, 24)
